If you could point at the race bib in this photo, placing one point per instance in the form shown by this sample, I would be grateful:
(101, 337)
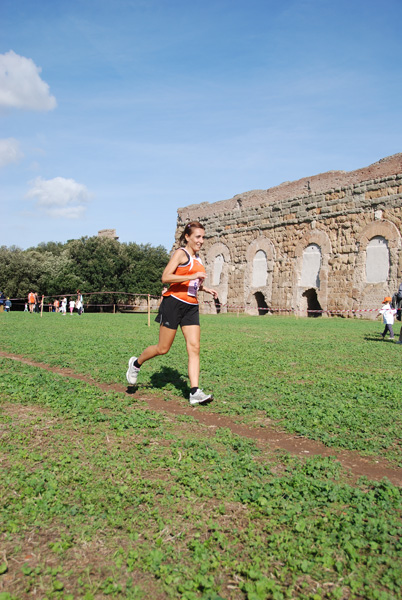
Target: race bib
(193, 288)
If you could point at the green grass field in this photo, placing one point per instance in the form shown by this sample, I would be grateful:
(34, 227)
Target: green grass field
(102, 497)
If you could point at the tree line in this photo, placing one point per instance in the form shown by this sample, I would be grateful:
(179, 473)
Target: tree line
(89, 264)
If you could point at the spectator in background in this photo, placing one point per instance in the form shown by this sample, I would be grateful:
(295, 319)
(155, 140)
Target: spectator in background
(164, 290)
(31, 301)
(2, 300)
(37, 303)
(78, 304)
(8, 304)
(71, 305)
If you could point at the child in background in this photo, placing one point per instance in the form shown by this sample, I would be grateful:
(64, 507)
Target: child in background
(388, 314)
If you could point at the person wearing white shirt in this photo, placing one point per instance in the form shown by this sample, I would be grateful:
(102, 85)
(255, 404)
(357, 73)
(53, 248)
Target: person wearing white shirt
(388, 315)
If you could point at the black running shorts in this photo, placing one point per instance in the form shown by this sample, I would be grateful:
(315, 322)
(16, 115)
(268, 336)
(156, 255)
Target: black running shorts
(173, 312)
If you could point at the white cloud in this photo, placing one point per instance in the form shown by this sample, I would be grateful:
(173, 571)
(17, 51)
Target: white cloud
(9, 151)
(21, 85)
(59, 197)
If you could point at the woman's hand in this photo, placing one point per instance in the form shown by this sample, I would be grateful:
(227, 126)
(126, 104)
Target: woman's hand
(213, 293)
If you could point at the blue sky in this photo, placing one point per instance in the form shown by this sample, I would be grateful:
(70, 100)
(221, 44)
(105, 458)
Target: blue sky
(115, 113)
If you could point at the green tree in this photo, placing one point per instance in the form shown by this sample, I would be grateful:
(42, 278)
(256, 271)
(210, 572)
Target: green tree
(145, 266)
(94, 265)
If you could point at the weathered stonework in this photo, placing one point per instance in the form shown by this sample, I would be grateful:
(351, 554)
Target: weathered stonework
(321, 241)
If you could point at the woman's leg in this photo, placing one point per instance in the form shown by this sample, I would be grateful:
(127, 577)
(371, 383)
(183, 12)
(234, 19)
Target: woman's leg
(192, 335)
(166, 337)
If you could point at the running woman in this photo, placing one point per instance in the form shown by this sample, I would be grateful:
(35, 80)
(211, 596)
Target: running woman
(185, 275)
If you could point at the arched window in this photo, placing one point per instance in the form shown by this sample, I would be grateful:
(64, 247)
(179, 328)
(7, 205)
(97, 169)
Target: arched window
(218, 266)
(260, 269)
(377, 260)
(311, 266)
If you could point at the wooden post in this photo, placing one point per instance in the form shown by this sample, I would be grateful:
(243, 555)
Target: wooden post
(114, 308)
(149, 311)
(41, 307)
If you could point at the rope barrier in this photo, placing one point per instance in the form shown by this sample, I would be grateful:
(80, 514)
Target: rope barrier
(241, 307)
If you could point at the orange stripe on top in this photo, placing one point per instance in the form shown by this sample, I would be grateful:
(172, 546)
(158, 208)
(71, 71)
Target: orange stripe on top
(186, 291)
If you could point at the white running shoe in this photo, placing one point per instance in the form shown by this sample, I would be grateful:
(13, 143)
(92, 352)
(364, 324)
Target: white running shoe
(199, 397)
(132, 371)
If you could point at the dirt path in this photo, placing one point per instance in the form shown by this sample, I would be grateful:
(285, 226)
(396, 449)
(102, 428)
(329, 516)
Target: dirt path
(375, 469)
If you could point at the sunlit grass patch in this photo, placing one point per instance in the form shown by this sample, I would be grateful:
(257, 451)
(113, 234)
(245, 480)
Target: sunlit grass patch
(332, 380)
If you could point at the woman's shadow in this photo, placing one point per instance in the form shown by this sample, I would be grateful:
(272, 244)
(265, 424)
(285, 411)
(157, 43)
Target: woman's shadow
(163, 377)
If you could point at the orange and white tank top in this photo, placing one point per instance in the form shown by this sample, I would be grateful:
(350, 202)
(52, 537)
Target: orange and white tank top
(31, 298)
(186, 291)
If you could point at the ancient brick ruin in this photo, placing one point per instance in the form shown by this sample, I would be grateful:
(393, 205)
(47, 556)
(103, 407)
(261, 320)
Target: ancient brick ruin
(330, 242)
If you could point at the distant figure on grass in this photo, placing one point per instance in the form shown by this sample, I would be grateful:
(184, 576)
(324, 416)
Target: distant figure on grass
(71, 304)
(164, 290)
(399, 296)
(31, 301)
(78, 305)
(7, 304)
(63, 306)
(397, 303)
(185, 275)
(388, 314)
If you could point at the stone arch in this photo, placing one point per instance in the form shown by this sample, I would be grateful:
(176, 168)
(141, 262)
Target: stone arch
(218, 264)
(371, 293)
(260, 255)
(313, 238)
